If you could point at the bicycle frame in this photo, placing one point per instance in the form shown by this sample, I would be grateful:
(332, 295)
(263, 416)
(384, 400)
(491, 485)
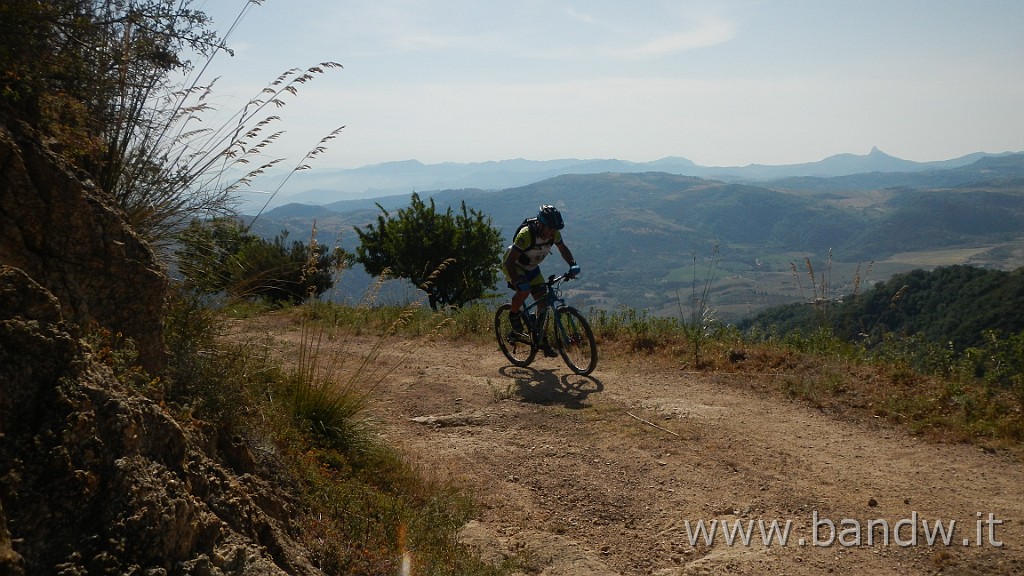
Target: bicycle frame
(551, 301)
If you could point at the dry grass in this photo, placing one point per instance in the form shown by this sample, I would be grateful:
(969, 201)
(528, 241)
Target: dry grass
(825, 372)
(843, 380)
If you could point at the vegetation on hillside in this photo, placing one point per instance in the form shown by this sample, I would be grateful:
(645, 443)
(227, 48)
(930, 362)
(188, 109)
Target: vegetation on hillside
(87, 74)
(955, 306)
(83, 72)
(959, 324)
(101, 80)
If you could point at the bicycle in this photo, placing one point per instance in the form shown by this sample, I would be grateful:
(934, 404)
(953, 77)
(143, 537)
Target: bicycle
(568, 332)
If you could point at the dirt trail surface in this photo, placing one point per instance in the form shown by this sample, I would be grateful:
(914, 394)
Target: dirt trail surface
(601, 475)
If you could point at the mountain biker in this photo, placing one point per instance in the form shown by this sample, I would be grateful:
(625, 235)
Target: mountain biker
(531, 244)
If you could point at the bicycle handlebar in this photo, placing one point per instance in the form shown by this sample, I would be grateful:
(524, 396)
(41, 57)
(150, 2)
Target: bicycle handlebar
(561, 278)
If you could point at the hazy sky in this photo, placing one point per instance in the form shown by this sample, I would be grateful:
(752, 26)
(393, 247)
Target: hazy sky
(723, 83)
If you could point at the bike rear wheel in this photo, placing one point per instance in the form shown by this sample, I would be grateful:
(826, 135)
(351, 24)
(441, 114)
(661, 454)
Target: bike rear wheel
(520, 351)
(575, 341)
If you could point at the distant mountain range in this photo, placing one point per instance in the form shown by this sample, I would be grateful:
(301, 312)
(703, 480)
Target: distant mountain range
(647, 239)
(405, 177)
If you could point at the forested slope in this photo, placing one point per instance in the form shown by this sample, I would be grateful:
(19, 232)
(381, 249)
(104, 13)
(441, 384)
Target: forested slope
(951, 304)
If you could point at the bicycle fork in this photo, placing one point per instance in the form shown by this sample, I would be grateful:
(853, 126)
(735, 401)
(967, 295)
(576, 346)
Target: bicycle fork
(536, 325)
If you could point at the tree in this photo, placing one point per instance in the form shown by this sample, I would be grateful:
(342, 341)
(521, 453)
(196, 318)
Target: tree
(452, 257)
(219, 256)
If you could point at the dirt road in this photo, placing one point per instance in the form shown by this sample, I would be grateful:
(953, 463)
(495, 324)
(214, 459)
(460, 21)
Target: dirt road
(614, 473)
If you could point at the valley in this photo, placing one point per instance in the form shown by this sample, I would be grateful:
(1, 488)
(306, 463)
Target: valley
(652, 241)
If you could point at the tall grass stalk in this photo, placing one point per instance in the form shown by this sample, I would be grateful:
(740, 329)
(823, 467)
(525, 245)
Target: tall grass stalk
(821, 288)
(166, 167)
(702, 316)
(327, 389)
(400, 519)
(321, 392)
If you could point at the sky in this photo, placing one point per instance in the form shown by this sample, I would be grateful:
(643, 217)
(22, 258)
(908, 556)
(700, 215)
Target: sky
(722, 83)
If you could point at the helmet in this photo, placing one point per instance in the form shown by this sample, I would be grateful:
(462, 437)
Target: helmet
(549, 216)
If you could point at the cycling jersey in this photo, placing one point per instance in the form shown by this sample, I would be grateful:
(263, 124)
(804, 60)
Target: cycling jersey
(534, 248)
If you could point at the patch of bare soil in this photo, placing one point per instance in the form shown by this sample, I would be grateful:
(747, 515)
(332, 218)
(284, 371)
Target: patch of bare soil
(611, 474)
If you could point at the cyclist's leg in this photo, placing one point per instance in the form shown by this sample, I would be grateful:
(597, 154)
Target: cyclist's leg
(537, 287)
(539, 290)
(519, 297)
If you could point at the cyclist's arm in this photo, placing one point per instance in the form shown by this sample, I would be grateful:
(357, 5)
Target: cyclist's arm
(510, 261)
(566, 253)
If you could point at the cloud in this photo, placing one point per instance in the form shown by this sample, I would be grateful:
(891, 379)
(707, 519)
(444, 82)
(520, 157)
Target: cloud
(575, 15)
(709, 32)
(650, 33)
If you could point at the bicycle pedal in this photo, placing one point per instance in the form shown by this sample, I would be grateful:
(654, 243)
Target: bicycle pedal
(549, 351)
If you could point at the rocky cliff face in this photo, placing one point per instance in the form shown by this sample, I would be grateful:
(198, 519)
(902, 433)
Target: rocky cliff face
(97, 480)
(94, 478)
(68, 238)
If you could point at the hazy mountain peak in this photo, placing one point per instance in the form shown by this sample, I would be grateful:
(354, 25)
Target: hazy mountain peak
(402, 177)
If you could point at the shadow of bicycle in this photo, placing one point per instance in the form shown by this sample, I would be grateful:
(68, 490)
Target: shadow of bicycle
(548, 388)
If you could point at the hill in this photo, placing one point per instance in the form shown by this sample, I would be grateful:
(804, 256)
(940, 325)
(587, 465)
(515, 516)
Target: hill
(951, 306)
(404, 177)
(998, 172)
(650, 240)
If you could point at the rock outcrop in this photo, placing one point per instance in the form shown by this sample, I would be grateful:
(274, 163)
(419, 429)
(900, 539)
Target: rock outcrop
(68, 238)
(95, 479)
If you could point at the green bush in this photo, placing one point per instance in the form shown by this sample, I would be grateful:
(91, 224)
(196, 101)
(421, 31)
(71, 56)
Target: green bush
(221, 256)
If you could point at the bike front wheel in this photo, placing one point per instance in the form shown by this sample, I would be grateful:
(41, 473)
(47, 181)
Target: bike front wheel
(518, 348)
(575, 341)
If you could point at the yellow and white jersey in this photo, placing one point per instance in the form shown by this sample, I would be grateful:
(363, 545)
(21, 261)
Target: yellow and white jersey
(534, 248)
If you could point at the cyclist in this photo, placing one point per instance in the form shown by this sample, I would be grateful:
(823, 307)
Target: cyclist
(531, 244)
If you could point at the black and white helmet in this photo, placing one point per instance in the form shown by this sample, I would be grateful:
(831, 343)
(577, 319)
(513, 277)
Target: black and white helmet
(550, 216)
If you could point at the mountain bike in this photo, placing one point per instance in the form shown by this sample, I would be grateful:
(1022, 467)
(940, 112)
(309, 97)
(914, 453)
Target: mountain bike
(548, 321)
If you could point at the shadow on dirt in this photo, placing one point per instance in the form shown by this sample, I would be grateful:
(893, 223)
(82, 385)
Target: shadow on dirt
(548, 388)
